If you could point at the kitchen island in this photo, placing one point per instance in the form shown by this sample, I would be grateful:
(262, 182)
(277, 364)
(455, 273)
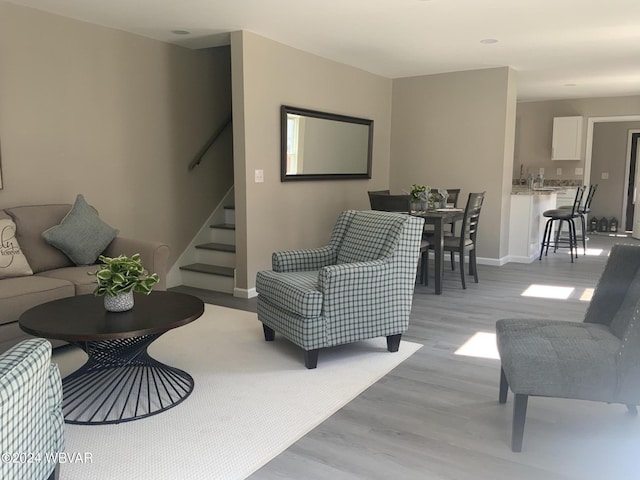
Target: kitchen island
(526, 223)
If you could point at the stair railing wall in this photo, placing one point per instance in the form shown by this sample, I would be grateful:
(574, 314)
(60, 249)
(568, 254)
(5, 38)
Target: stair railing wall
(205, 148)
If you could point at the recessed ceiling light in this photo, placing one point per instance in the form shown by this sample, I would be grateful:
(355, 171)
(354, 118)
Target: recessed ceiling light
(180, 32)
(488, 41)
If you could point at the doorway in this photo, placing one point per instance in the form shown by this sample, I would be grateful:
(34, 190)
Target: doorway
(591, 121)
(632, 157)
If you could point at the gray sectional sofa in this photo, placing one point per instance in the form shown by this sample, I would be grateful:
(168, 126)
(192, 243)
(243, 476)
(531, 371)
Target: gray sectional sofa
(54, 274)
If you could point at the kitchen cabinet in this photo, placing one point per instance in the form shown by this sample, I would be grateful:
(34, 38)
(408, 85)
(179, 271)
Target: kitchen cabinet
(567, 138)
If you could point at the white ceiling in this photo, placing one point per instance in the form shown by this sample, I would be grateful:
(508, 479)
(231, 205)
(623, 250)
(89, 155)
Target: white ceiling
(560, 48)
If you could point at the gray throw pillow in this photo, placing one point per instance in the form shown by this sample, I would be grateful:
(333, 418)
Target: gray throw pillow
(81, 235)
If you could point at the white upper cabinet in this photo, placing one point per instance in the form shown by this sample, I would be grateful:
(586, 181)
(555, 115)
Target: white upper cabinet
(567, 138)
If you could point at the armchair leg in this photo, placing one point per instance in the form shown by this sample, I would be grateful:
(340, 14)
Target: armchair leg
(393, 342)
(269, 333)
(55, 475)
(504, 387)
(311, 358)
(519, 416)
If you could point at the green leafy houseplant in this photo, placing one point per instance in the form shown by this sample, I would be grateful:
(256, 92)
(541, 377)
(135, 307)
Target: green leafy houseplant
(123, 275)
(419, 192)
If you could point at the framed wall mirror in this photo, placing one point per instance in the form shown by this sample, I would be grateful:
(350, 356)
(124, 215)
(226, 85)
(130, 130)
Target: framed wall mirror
(324, 146)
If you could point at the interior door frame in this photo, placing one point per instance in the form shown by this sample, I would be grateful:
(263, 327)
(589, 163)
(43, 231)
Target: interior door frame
(591, 121)
(626, 176)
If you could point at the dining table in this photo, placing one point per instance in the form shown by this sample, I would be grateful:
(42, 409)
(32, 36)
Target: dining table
(439, 217)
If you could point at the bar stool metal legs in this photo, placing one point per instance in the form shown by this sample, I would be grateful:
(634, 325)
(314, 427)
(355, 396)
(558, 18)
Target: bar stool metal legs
(548, 231)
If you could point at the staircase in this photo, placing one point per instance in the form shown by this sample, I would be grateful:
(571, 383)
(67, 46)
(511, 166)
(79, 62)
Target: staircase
(213, 256)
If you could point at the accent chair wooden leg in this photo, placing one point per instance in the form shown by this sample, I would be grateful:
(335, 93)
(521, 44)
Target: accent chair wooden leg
(311, 358)
(393, 342)
(519, 416)
(453, 262)
(269, 333)
(504, 387)
(632, 409)
(55, 475)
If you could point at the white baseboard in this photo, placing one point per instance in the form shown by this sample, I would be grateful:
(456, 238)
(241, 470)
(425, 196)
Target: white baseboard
(520, 259)
(495, 262)
(245, 293)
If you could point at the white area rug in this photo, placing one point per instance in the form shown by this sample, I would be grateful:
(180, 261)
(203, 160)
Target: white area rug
(252, 399)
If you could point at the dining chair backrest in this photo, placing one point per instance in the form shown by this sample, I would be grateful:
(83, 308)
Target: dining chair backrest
(390, 203)
(471, 218)
(377, 192)
(452, 195)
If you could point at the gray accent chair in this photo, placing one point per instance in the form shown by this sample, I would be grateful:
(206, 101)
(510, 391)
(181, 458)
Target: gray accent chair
(32, 433)
(357, 287)
(597, 359)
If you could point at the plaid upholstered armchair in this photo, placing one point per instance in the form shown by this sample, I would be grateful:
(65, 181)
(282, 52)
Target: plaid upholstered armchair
(359, 286)
(31, 432)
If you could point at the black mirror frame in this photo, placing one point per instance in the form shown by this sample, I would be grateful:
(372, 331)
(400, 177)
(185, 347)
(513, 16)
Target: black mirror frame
(284, 110)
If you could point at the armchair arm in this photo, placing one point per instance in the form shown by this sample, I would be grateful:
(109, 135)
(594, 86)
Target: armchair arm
(364, 300)
(364, 288)
(154, 255)
(303, 259)
(31, 392)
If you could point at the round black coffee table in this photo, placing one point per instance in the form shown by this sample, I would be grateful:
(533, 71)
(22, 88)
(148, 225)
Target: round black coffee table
(120, 381)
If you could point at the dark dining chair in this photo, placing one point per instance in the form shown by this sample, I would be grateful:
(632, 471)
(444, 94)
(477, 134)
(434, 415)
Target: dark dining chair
(377, 192)
(402, 204)
(465, 243)
(452, 200)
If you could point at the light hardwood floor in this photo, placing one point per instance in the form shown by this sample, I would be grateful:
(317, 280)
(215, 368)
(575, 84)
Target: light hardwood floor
(436, 416)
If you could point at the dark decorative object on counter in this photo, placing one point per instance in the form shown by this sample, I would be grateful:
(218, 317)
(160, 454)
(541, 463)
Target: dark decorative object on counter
(613, 225)
(603, 225)
(593, 225)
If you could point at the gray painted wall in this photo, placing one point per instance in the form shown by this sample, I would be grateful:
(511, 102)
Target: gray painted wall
(277, 215)
(535, 128)
(117, 117)
(456, 130)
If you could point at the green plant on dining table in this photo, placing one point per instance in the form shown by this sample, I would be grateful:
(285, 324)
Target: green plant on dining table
(123, 275)
(420, 192)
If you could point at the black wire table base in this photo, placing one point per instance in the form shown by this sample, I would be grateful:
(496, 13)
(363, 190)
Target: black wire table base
(120, 382)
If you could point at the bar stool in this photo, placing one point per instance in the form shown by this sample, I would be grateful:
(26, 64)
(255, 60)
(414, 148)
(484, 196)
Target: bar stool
(583, 210)
(562, 215)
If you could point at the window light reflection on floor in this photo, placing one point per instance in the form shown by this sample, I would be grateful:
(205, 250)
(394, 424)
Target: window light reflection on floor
(548, 291)
(586, 295)
(480, 345)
